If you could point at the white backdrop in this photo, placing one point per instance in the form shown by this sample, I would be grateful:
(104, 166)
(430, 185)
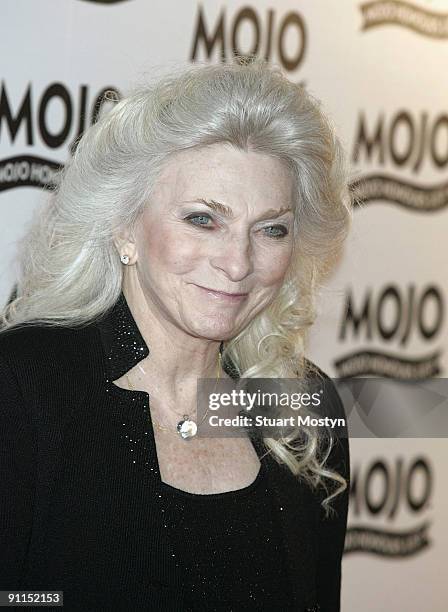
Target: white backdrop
(380, 69)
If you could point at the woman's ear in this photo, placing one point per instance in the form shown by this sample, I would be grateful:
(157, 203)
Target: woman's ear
(126, 245)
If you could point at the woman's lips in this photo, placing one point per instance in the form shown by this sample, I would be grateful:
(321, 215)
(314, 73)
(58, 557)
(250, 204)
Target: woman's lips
(222, 295)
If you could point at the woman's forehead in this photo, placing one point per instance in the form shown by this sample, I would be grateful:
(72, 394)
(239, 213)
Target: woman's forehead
(226, 175)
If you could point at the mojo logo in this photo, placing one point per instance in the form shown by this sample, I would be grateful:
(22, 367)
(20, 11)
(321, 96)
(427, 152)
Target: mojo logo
(406, 14)
(404, 141)
(392, 493)
(249, 33)
(394, 315)
(33, 121)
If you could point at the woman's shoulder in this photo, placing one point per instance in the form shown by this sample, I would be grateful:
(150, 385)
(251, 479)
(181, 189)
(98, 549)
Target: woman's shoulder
(32, 348)
(333, 407)
(332, 404)
(31, 337)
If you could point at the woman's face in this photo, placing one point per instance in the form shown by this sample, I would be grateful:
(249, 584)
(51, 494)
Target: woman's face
(219, 220)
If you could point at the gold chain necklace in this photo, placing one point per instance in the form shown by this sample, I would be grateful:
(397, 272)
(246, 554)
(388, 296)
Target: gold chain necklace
(186, 427)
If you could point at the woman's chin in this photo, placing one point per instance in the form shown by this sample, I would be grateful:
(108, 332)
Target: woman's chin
(215, 330)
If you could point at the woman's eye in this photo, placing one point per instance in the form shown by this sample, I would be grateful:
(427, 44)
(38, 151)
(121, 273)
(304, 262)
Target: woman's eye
(276, 231)
(197, 219)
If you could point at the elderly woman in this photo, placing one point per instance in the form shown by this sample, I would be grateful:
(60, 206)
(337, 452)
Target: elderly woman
(185, 240)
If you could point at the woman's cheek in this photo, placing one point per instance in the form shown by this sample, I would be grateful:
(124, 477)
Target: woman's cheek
(181, 255)
(274, 268)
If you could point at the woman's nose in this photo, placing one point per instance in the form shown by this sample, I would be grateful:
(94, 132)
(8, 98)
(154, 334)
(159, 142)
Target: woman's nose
(234, 258)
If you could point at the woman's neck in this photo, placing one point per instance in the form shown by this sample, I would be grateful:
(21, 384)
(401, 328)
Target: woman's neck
(176, 359)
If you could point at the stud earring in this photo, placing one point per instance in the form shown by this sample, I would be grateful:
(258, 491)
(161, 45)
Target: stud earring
(124, 259)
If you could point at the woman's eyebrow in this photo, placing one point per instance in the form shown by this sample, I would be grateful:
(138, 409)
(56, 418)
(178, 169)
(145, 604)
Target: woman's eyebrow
(227, 212)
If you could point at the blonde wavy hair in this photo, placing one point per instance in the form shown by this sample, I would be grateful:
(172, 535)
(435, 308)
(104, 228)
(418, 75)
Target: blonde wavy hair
(69, 271)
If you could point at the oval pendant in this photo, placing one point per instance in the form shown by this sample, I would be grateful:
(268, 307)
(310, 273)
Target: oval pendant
(187, 428)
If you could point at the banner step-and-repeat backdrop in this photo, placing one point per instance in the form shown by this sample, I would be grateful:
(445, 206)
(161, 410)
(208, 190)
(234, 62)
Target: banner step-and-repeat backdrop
(379, 68)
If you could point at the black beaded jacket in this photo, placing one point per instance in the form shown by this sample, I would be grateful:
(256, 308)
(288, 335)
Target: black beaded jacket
(80, 505)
